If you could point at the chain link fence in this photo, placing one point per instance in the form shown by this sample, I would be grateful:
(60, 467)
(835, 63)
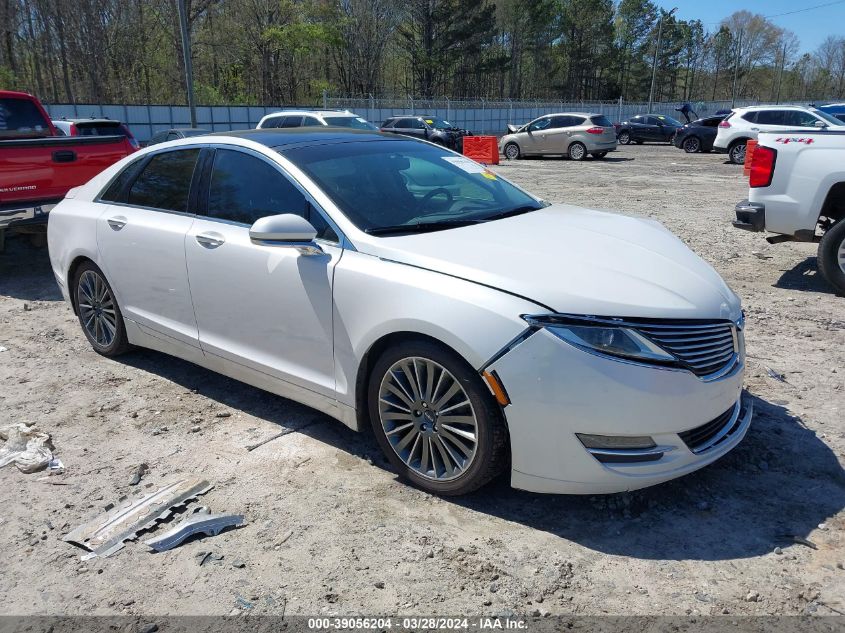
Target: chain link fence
(480, 116)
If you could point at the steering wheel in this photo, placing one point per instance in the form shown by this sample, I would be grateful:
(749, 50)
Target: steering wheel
(435, 192)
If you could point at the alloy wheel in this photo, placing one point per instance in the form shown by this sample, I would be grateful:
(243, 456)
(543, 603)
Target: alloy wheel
(428, 419)
(624, 138)
(841, 255)
(692, 145)
(577, 151)
(96, 308)
(738, 153)
(512, 151)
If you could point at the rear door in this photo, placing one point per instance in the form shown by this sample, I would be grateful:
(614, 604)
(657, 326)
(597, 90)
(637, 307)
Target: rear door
(410, 127)
(556, 138)
(266, 307)
(141, 236)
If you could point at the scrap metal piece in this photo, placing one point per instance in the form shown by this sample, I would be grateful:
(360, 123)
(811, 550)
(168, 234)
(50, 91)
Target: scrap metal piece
(105, 534)
(200, 521)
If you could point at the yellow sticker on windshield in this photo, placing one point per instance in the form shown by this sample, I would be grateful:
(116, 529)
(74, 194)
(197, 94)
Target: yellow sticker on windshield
(430, 121)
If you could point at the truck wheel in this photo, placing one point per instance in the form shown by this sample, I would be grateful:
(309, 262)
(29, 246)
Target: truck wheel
(832, 256)
(736, 152)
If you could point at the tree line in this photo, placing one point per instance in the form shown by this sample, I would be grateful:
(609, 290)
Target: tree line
(291, 51)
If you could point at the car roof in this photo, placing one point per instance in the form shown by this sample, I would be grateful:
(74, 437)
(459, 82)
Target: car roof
(571, 113)
(90, 120)
(286, 137)
(776, 107)
(311, 112)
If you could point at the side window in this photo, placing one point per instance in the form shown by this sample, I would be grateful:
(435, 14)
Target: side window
(114, 192)
(638, 119)
(310, 121)
(172, 136)
(245, 188)
(540, 124)
(324, 229)
(415, 124)
(389, 123)
(653, 120)
(751, 117)
(158, 137)
(272, 122)
(560, 121)
(165, 182)
(799, 118)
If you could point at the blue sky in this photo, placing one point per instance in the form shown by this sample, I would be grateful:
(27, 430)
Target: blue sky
(811, 27)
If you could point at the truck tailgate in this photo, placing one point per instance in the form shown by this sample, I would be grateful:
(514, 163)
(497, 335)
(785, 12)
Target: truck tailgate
(46, 168)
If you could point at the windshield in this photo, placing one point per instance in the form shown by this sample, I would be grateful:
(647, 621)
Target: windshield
(438, 124)
(380, 184)
(832, 120)
(355, 122)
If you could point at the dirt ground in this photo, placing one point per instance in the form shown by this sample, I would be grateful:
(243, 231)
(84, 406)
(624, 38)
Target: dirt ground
(330, 530)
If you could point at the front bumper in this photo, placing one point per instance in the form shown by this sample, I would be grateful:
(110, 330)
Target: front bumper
(750, 216)
(13, 215)
(557, 390)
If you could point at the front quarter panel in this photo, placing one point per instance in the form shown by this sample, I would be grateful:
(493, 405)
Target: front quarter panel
(374, 298)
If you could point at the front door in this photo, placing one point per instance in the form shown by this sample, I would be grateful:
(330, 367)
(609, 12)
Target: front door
(141, 238)
(266, 307)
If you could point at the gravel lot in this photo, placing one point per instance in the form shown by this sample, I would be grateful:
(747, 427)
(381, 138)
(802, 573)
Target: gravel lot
(331, 530)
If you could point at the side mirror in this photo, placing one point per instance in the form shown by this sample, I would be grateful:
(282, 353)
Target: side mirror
(288, 230)
(820, 124)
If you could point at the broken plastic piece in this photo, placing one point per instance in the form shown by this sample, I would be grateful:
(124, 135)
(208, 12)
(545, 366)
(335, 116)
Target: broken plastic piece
(27, 447)
(105, 534)
(198, 522)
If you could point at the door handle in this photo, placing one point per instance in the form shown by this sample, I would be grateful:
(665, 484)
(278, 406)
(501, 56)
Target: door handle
(64, 156)
(117, 222)
(210, 240)
(755, 129)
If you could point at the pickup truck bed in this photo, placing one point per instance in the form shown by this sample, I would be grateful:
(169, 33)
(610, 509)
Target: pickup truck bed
(797, 190)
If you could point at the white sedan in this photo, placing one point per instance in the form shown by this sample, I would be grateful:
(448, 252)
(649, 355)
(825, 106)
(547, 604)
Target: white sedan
(393, 284)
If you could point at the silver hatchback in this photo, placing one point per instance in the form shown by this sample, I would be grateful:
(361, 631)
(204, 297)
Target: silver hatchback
(572, 134)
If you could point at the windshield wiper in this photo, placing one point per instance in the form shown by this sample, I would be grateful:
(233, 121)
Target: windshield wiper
(511, 212)
(419, 227)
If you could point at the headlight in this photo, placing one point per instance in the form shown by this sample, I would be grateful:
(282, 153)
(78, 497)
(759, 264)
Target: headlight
(602, 337)
(612, 341)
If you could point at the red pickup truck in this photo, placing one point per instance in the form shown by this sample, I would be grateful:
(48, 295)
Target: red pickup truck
(37, 167)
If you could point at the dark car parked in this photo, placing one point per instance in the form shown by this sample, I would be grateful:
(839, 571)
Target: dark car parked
(176, 133)
(698, 135)
(834, 109)
(647, 127)
(430, 128)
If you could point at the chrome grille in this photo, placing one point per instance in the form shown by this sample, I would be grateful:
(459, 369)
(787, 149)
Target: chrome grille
(704, 349)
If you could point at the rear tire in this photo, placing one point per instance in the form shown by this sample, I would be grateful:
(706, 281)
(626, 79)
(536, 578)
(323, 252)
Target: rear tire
(736, 152)
(692, 145)
(577, 151)
(98, 312)
(512, 151)
(831, 256)
(435, 460)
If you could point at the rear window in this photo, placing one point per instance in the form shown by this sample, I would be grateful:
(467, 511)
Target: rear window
(101, 129)
(21, 118)
(601, 120)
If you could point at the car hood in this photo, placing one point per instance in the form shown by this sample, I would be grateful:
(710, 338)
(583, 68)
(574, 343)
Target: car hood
(574, 260)
(513, 128)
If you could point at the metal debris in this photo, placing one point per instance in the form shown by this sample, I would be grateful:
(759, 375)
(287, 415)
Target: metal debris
(777, 376)
(803, 541)
(141, 470)
(200, 521)
(105, 534)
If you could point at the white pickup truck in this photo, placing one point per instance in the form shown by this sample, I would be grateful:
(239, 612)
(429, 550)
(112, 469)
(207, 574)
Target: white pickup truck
(797, 190)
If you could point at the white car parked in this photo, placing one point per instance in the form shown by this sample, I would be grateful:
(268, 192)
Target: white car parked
(395, 284)
(744, 124)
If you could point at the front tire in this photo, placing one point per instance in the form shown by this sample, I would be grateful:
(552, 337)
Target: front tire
(435, 419)
(736, 152)
(624, 137)
(577, 151)
(98, 312)
(831, 256)
(692, 145)
(512, 151)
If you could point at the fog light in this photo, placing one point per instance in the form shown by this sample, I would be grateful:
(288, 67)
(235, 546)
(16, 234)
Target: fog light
(616, 442)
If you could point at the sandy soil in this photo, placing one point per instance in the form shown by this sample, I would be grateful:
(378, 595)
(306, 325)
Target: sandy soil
(331, 530)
